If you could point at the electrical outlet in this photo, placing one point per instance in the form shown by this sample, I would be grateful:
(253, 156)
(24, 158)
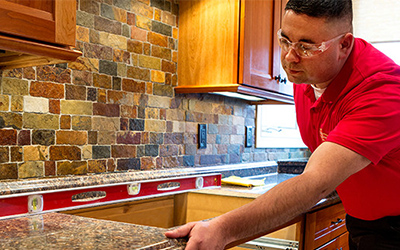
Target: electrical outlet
(202, 135)
(249, 136)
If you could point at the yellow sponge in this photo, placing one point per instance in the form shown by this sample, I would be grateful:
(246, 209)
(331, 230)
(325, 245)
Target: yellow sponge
(239, 181)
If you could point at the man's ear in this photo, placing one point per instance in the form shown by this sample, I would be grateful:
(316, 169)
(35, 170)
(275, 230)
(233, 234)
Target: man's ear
(346, 45)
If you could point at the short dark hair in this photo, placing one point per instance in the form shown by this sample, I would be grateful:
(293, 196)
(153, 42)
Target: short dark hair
(330, 9)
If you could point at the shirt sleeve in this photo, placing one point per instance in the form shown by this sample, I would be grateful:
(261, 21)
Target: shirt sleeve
(370, 121)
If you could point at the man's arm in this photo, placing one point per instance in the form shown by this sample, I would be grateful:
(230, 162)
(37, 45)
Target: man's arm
(328, 166)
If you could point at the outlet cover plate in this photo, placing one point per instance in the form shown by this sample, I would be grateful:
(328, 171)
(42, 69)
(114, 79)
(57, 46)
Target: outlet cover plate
(202, 135)
(249, 136)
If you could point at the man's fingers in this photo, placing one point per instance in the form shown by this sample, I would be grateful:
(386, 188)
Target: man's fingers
(181, 231)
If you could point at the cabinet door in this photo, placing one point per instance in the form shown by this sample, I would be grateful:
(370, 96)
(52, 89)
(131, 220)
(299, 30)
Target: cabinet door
(208, 42)
(51, 21)
(261, 19)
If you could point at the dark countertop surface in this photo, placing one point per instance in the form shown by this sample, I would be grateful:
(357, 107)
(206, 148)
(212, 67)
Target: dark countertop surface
(62, 231)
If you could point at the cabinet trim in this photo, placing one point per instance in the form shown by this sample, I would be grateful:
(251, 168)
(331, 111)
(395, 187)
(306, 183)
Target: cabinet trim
(23, 53)
(237, 88)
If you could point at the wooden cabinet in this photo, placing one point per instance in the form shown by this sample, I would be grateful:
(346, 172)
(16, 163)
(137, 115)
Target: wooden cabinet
(157, 212)
(231, 46)
(37, 32)
(326, 229)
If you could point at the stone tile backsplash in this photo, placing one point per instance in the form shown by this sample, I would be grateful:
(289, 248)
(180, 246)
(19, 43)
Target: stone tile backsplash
(114, 109)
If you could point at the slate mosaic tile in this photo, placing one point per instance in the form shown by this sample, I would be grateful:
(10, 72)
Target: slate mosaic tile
(151, 150)
(128, 164)
(100, 152)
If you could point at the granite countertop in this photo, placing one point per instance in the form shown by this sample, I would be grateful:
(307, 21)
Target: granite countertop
(17, 187)
(62, 231)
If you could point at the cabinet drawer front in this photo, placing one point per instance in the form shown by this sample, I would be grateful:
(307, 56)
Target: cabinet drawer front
(340, 243)
(324, 225)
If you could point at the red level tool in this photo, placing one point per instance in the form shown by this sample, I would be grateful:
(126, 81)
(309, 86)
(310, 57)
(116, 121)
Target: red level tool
(58, 200)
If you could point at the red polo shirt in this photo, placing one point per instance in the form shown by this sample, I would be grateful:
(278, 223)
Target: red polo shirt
(360, 110)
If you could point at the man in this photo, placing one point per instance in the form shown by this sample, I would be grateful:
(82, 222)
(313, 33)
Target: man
(347, 97)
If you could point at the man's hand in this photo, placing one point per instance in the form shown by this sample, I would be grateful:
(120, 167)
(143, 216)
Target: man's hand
(202, 235)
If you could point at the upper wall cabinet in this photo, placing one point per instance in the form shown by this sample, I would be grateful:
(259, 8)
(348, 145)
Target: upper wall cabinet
(229, 46)
(37, 32)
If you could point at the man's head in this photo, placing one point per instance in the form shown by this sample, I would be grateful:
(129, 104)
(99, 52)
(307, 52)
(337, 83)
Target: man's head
(316, 39)
(332, 10)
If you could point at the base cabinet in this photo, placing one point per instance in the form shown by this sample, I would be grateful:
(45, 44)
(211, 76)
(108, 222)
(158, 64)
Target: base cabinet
(323, 229)
(326, 229)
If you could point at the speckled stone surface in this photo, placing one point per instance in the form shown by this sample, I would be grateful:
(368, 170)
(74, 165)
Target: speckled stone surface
(292, 166)
(49, 184)
(62, 231)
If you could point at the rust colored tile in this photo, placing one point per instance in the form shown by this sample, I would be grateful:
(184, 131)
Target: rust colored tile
(58, 153)
(71, 168)
(8, 137)
(49, 168)
(135, 46)
(133, 86)
(148, 163)
(124, 124)
(128, 137)
(157, 39)
(8, 171)
(65, 122)
(110, 165)
(16, 154)
(110, 110)
(47, 89)
(130, 18)
(24, 137)
(146, 49)
(168, 66)
(97, 166)
(128, 112)
(123, 151)
(71, 137)
(54, 106)
(102, 95)
(121, 56)
(102, 81)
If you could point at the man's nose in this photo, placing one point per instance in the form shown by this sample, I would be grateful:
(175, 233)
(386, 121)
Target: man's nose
(291, 56)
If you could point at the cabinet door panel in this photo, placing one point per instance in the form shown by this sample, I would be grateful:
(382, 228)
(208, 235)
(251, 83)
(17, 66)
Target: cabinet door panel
(258, 35)
(208, 42)
(261, 52)
(50, 21)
